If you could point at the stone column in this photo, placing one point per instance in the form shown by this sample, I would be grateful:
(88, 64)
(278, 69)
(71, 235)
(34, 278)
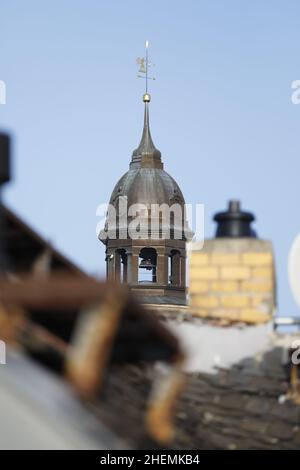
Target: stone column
(110, 262)
(182, 271)
(129, 268)
(162, 269)
(176, 268)
(134, 268)
(117, 262)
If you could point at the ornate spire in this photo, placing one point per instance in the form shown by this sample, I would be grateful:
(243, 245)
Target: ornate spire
(146, 154)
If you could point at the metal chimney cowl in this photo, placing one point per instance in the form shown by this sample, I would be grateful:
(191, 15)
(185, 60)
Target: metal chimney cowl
(234, 223)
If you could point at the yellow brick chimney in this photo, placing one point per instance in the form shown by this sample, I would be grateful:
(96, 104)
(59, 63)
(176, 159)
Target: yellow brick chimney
(232, 278)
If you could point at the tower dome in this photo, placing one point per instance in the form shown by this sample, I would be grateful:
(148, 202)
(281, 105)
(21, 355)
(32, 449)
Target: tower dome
(146, 181)
(151, 259)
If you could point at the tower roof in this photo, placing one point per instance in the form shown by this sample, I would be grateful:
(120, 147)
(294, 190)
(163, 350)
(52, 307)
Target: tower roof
(146, 155)
(146, 182)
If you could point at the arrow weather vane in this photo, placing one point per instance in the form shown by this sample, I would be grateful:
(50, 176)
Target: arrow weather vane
(144, 64)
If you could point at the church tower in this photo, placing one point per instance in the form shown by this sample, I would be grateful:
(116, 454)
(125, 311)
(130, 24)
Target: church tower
(146, 230)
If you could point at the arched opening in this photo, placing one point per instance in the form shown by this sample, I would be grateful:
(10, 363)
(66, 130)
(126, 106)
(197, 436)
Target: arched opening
(174, 268)
(147, 265)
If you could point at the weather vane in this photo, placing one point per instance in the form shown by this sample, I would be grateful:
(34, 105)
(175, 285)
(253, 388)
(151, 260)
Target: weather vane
(144, 65)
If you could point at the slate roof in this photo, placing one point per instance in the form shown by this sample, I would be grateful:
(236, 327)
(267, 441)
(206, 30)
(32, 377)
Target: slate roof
(239, 408)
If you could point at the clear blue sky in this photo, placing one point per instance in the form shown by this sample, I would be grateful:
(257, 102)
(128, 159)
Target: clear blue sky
(221, 111)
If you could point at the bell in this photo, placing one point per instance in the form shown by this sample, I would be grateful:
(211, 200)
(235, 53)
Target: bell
(147, 264)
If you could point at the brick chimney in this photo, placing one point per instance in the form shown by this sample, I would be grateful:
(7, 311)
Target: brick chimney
(232, 278)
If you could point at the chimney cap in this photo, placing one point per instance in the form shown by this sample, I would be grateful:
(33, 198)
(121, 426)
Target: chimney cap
(234, 223)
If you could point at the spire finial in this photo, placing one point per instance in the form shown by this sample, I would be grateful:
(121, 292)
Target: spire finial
(146, 154)
(144, 64)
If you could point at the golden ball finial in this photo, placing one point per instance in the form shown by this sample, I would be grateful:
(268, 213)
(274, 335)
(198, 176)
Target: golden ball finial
(146, 98)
